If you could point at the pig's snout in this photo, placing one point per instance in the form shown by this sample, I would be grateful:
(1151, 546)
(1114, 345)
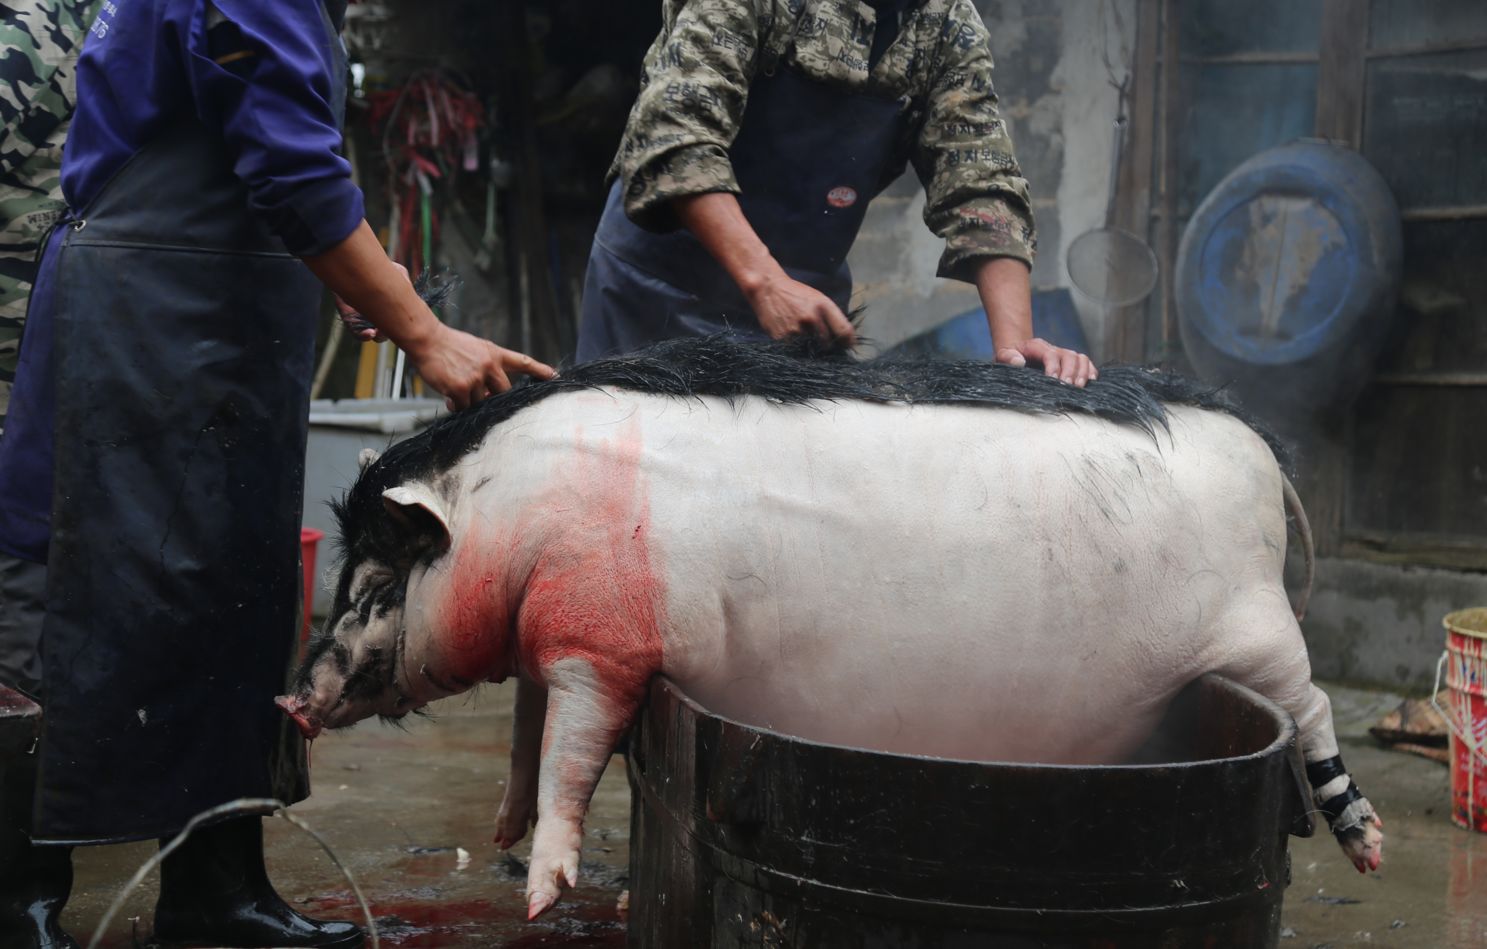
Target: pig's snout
(294, 707)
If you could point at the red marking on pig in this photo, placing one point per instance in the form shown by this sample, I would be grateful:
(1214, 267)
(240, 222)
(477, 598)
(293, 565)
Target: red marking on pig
(474, 627)
(594, 592)
(575, 573)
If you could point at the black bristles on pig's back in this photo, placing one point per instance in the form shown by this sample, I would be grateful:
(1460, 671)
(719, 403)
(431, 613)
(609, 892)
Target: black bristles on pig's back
(793, 372)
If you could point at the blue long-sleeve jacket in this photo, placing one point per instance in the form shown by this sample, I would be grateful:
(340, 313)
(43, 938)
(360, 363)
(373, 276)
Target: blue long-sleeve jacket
(256, 71)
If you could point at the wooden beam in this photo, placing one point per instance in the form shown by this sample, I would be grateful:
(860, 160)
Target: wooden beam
(1458, 380)
(536, 299)
(1454, 553)
(1445, 212)
(1171, 116)
(1127, 339)
(1321, 446)
(1341, 71)
(1341, 79)
(1253, 58)
(1428, 49)
(1457, 212)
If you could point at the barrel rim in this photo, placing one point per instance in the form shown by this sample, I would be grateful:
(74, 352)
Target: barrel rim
(1470, 622)
(1288, 733)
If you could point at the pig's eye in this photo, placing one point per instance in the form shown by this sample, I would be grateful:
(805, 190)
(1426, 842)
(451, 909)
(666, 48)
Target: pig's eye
(380, 593)
(369, 596)
(370, 584)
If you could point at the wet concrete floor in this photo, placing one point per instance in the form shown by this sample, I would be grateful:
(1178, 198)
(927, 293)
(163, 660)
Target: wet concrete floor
(398, 806)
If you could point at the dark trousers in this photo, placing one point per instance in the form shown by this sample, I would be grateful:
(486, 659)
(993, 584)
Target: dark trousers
(22, 609)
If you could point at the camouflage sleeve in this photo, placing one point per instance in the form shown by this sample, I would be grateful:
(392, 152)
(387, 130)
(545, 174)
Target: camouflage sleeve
(975, 196)
(39, 43)
(693, 90)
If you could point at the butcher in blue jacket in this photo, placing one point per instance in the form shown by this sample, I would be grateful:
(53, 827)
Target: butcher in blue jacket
(153, 455)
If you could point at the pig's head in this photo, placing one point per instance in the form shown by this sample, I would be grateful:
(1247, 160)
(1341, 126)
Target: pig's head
(364, 662)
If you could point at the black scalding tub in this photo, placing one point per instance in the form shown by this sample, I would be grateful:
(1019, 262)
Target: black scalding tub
(745, 837)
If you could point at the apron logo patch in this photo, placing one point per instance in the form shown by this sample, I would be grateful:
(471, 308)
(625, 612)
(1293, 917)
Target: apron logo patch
(841, 197)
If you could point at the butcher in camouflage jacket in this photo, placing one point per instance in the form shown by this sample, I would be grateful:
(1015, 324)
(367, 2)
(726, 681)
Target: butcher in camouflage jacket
(695, 87)
(39, 44)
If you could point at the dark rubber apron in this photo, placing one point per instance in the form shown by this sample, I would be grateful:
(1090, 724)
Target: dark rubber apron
(808, 158)
(184, 338)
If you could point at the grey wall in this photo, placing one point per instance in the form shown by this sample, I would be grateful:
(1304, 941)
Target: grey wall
(1056, 97)
(1380, 625)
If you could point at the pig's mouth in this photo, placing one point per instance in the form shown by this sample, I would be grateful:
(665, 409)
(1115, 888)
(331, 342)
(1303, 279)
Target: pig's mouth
(294, 707)
(362, 694)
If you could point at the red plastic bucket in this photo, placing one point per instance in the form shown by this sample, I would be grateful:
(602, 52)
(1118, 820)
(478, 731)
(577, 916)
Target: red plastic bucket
(1465, 661)
(309, 537)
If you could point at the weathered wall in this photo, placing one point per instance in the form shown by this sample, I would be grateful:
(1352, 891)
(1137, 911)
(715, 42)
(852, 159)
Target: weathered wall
(1098, 40)
(1056, 97)
(1380, 625)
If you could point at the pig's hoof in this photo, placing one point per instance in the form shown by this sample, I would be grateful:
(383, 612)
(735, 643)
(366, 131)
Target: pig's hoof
(538, 903)
(511, 824)
(1363, 843)
(546, 878)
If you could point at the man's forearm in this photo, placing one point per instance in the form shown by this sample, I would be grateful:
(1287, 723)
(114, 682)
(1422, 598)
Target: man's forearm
(1006, 295)
(358, 271)
(717, 220)
(783, 305)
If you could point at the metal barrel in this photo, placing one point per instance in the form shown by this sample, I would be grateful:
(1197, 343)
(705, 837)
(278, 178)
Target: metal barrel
(741, 836)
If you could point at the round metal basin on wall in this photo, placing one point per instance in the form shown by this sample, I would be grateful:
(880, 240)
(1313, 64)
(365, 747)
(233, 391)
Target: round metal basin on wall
(741, 836)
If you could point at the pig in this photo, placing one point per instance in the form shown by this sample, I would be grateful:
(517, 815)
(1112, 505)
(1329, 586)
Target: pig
(953, 559)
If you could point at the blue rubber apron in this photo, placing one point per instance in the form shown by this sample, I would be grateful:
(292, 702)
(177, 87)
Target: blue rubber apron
(808, 158)
(165, 368)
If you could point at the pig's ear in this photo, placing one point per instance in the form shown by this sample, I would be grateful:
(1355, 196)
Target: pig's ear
(367, 458)
(422, 511)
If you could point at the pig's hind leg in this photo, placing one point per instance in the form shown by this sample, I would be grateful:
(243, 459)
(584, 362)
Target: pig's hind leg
(585, 717)
(519, 803)
(1268, 654)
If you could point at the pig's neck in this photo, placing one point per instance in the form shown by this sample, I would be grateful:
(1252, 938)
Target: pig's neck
(477, 600)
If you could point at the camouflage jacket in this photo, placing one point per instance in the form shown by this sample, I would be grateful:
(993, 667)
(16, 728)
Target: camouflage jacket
(695, 82)
(41, 40)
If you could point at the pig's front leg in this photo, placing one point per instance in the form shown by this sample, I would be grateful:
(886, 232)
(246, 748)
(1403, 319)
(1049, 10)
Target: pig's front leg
(519, 804)
(585, 717)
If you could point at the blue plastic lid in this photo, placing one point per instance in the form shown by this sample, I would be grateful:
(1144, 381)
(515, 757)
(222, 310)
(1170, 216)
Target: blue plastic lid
(1282, 259)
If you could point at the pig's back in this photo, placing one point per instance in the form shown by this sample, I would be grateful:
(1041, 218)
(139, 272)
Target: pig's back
(945, 580)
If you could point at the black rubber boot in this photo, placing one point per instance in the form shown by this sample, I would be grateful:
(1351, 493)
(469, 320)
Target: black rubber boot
(33, 890)
(214, 890)
(34, 881)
